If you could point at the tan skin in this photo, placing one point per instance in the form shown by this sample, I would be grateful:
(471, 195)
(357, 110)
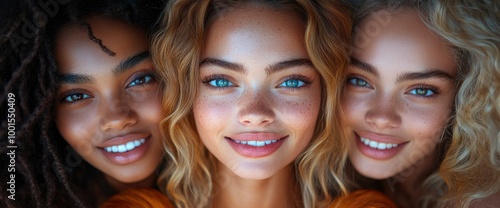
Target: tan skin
(110, 116)
(400, 91)
(256, 85)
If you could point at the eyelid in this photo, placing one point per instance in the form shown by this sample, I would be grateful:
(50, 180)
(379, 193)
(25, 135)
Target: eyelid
(65, 94)
(142, 74)
(207, 79)
(358, 76)
(305, 79)
(434, 89)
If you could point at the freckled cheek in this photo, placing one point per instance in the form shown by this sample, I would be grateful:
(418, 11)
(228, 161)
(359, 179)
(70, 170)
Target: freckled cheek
(429, 124)
(211, 113)
(302, 113)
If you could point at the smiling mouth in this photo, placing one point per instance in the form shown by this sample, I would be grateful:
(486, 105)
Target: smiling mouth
(377, 145)
(125, 147)
(257, 143)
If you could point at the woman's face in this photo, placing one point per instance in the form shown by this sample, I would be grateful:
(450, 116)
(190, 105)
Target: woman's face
(109, 107)
(259, 95)
(398, 95)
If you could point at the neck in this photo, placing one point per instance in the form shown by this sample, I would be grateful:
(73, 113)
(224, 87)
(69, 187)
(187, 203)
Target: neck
(234, 191)
(405, 188)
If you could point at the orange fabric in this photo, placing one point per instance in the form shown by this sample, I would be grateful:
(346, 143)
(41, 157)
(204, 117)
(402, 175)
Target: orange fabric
(137, 198)
(363, 199)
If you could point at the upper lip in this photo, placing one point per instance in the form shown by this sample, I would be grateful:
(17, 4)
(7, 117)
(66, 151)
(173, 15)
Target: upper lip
(384, 138)
(123, 139)
(256, 136)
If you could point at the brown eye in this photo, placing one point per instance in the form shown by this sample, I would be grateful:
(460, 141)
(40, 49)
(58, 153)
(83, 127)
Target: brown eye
(76, 97)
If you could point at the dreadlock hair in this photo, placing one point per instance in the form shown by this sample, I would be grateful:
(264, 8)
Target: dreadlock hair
(46, 170)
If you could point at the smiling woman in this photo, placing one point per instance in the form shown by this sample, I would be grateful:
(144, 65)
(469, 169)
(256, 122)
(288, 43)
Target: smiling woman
(109, 106)
(250, 80)
(88, 101)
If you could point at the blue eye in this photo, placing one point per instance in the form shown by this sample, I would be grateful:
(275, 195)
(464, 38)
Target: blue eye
(422, 92)
(141, 80)
(220, 83)
(76, 97)
(292, 83)
(358, 82)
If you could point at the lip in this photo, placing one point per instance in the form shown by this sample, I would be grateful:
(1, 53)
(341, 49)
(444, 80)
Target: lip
(123, 158)
(268, 143)
(123, 139)
(375, 153)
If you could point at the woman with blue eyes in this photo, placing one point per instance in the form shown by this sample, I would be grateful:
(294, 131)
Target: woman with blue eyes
(254, 122)
(399, 102)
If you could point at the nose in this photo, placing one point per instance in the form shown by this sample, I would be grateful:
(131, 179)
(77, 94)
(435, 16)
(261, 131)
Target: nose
(384, 113)
(116, 115)
(255, 109)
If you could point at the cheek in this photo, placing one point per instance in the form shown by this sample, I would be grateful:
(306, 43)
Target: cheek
(301, 113)
(353, 108)
(76, 129)
(150, 107)
(428, 126)
(211, 113)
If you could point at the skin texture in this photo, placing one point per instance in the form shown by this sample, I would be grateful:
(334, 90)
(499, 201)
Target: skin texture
(385, 100)
(256, 83)
(107, 107)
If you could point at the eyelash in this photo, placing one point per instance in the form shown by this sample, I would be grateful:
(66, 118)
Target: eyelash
(142, 75)
(435, 91)
(208, 79)
(351, 78)
(70, 93)
(306, 81)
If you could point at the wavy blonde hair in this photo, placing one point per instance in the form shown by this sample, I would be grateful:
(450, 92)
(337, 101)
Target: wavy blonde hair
(176, 52)
(469, 154)
(471, 167)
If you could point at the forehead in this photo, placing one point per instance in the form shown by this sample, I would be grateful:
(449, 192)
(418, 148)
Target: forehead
(254, 30)
(404, 40)
(74, 47)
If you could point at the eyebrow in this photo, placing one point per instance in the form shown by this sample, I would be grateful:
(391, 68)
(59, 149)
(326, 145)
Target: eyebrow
(269, 70)
(121, 68)
(364, 66)
(130, 62)
(428, 73)
(75, 79)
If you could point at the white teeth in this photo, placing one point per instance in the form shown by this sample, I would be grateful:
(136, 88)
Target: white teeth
(256, 143)
(125, 147)
(377, 145)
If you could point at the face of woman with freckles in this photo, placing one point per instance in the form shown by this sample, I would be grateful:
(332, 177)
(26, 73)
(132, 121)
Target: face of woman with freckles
(259, 95)
(109, 107)
(398, 96)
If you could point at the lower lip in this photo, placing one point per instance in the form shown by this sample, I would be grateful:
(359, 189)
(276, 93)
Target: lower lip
(253, 151)
(378, 154)
(123, 158)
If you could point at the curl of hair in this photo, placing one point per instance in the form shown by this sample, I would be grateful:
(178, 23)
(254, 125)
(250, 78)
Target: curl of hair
(471, 167)
(177, 49)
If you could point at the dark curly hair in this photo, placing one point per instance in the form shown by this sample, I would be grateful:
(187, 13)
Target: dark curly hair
(48, 172)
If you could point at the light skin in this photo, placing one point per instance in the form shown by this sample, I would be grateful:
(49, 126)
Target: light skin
(399, 91)
(109, 107)
(257, 86)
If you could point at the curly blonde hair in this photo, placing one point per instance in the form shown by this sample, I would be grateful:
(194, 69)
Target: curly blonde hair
(176, 51)
(471, 166)
(469, 154)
